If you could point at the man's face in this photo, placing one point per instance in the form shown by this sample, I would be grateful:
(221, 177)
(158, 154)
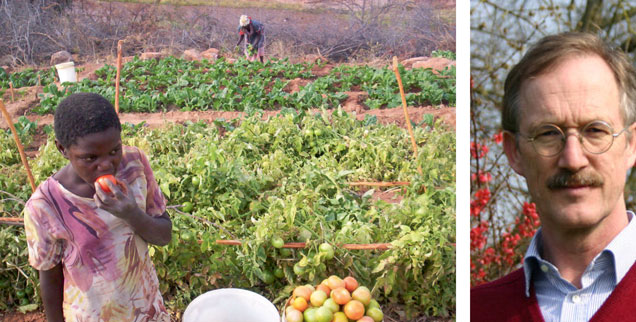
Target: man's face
(575, 92)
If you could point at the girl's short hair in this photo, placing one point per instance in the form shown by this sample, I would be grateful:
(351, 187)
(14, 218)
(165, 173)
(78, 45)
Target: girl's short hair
(81, 114)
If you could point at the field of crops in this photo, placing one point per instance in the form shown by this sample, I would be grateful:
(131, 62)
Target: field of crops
(261, 180)
(159, 85)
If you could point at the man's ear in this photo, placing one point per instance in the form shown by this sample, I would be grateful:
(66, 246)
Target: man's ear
(631, 146)
(61, 148)
(511, 148)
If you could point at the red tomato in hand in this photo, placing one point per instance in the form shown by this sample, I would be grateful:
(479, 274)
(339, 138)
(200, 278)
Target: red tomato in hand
(102, 182)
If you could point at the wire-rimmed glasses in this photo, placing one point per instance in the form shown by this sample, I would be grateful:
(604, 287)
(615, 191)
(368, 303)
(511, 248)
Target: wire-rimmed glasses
(549, 139)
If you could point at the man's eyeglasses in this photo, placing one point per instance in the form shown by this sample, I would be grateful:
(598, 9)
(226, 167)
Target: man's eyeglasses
(596, 137)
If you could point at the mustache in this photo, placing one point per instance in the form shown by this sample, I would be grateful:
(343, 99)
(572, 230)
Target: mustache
(566, 179)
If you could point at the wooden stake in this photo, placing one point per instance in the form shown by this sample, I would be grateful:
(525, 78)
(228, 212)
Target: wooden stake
(406, 114)
(379, 184)
(303, 245)
(119, 44)
(19, 144)
(11, 91)
(12, 221)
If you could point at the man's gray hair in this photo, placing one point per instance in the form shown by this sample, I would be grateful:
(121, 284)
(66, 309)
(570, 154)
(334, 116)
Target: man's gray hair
(552, 50)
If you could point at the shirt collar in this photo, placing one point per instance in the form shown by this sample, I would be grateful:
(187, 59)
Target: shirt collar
(620, 248)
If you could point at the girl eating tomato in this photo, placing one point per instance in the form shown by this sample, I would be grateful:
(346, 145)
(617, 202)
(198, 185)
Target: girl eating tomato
(89, 246)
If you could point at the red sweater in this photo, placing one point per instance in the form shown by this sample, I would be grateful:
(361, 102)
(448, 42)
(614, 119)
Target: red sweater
(505, 300)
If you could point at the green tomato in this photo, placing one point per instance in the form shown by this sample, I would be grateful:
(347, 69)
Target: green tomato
(187, 207)
(299, 270)
(278, 242)
(267, 277)
(304, 235)
(20, 293)
(279, 273)
(326, 250)
(285, 252)
(375, 313)
(196, 181)
(24, 301)
(373, 303)
(317, 132)
(310, 314)
(323, 314)
(186, 236)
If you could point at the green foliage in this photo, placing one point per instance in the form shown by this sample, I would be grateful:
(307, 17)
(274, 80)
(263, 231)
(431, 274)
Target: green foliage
(151, 85)
(27, 77)
(444, 54)
(286, 178)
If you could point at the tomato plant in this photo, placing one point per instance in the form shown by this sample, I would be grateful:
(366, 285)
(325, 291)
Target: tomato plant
(263, 180)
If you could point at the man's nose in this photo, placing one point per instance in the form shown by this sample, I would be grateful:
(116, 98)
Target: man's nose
(573, 157)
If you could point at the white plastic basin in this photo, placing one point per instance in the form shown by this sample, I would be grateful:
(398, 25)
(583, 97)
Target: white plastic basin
(66, 72)
(231, 305)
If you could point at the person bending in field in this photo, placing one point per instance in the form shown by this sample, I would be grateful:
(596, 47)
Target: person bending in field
(254, 34)
(91, 247)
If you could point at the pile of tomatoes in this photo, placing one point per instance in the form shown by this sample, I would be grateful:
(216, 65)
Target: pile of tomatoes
(333, 300)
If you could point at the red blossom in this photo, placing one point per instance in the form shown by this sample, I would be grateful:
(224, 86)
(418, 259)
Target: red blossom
(477, 237)
(482, 197)
(478, 151)
(498, 137)
(481, 177)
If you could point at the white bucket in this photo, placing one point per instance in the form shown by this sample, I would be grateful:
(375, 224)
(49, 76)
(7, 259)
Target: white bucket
(231, 305)
(66, 72)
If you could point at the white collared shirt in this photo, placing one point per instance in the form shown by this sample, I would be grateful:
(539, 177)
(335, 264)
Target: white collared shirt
(558, 299)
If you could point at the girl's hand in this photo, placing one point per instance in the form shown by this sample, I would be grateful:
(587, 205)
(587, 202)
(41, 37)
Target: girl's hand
(120, 202)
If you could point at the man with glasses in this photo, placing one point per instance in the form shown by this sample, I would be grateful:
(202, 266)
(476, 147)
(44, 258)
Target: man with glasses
(569, 113)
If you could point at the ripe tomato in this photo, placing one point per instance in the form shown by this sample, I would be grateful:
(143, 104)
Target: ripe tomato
(350, 283)
(335, 282)
(317, 298)
(300, 304)
(102, 182)
(302, 291)
(354, 310)
(323, 288)
(340, 295)
(294, 316)
(362, 294)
